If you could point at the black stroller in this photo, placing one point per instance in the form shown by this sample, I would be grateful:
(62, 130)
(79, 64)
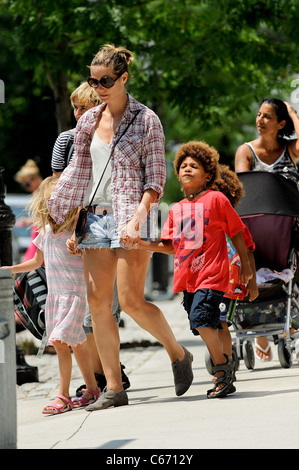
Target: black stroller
(270, 210)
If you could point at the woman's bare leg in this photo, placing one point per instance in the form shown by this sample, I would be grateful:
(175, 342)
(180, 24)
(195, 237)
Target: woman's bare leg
(132, 266)
(99, 271)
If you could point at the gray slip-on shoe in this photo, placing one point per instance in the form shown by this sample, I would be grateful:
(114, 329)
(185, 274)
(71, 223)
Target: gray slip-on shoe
(109, 398)
(182, 373)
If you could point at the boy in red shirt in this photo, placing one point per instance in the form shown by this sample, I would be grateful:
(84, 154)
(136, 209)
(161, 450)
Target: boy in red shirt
(195, 231)
(230, 185)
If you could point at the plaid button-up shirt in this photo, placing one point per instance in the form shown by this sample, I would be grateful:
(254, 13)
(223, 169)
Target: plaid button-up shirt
(137, 164)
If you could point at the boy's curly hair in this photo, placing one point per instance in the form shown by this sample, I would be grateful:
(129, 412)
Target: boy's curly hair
(204, 153)
(229, 184)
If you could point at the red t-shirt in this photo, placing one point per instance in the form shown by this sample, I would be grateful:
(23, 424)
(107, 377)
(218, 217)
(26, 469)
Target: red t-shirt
(197, 230)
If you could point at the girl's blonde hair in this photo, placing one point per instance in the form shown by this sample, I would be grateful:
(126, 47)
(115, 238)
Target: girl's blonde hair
(85, 95)
(29, 170)
(118, 58)
(40, 213)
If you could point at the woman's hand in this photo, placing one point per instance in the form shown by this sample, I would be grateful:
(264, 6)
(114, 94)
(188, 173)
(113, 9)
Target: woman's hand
(72, 247)
(131, 243)
(130, 234)
(290, 109)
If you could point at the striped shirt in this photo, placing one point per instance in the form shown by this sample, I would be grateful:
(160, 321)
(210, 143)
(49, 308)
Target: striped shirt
(59, 157)
(277, 167)
(137, 164)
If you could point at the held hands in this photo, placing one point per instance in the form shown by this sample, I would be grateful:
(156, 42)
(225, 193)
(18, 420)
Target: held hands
(130, 234)
(72, 247)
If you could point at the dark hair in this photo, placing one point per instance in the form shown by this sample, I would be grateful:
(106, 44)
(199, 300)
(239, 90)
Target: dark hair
(282, 114)
(229, 184)
(204, 153)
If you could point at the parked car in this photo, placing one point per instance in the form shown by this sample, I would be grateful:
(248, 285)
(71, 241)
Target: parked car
(21, 235)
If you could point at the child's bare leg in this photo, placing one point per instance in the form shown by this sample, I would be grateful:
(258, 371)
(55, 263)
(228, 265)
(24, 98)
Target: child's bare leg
(226, 339)
(212, 340)
(65, 369)
(94, 354)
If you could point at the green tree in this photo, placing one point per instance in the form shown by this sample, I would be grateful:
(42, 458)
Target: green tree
(200, 64)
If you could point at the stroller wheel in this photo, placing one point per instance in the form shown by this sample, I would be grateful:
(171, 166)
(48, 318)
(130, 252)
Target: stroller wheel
(283, 354)
(248, 354)
(235, 357)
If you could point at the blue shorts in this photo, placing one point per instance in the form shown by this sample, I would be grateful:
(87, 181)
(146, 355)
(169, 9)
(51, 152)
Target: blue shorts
(203, 310)
(227, 309)
(100, 232)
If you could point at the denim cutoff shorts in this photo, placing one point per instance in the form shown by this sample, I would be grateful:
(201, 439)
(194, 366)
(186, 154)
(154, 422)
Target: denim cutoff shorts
(100, 232)
(203, 310)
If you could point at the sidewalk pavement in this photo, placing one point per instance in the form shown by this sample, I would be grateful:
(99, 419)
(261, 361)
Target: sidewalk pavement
(262, 414)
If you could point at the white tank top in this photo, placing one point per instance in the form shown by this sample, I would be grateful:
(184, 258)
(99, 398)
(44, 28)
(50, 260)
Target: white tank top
(100, 152)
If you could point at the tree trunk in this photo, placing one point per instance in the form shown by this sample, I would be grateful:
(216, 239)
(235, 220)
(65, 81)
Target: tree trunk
(62, 103)
(58, 83)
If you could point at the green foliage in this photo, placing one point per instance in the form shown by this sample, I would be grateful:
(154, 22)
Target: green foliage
(202, 65)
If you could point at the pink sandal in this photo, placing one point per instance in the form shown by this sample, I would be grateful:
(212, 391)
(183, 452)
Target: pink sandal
(59, 408)
(82, 401)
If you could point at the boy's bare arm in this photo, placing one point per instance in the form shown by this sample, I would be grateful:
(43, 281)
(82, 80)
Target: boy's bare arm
(252, 289)
(160, 246)
(246, 271)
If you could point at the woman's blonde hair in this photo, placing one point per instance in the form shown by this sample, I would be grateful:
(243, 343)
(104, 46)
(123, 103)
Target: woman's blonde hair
(85, 95)
(118, 58)
(40, 213)
(29, 170)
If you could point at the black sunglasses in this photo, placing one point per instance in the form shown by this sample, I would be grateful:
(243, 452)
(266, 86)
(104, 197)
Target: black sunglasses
(106, 82)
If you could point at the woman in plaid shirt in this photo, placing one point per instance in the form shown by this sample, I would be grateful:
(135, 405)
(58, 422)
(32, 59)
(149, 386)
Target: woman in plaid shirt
(133, 182)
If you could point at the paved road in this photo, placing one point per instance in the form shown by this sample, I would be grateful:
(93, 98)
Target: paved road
(262, 414)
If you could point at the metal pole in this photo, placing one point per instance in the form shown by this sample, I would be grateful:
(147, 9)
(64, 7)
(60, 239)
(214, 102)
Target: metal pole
(8, 402)
(8, 406)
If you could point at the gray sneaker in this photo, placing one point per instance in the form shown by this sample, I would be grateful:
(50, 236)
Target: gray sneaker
(109, 398)
(182, 373)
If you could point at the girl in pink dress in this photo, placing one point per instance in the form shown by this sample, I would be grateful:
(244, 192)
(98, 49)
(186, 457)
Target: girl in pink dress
(66, 301)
